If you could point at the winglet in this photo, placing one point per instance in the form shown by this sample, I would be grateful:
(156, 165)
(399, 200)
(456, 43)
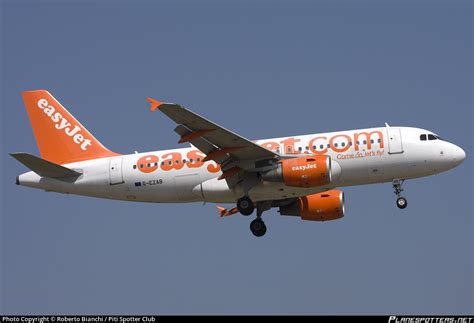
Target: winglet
(224, 212)
(154, 104)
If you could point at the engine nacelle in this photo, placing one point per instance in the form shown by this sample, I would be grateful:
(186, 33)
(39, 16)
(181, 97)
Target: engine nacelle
(310, 171)
(324, 206)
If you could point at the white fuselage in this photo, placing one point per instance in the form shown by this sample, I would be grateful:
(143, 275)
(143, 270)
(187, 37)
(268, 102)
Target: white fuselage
(364, 156)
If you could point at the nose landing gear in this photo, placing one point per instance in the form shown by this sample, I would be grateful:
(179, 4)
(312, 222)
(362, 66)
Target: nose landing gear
(397, 187)
(402, 202)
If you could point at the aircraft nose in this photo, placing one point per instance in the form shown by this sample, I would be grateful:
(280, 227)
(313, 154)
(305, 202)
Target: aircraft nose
(458, 154)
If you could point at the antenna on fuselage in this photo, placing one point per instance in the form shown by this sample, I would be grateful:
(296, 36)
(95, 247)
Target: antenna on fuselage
(387, 125)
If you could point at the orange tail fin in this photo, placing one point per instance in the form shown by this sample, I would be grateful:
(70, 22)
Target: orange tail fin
(60, 137)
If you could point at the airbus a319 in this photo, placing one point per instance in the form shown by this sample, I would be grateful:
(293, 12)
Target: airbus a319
(301, 176)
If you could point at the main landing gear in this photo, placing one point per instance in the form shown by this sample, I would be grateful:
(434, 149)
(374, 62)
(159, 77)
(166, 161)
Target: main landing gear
(258, 227)
(397, 187)
(246, 206)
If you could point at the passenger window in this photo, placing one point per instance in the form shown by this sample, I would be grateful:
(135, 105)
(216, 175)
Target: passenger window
(379, 141)
(431, 137)
(329, 146)
(335, 145)
(365, 142)
(343, 144)
(141, 165)
(134, 166)
(423, 137)
(320, 147)
(307, 147)
(350, 143)
(314, 147)
(371, 141)
(300, 149)
(162, 163)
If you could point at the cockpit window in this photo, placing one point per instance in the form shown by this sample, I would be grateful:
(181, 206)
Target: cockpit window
(430, 136)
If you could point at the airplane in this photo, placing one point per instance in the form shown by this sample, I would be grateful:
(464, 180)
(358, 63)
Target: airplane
(299, 175)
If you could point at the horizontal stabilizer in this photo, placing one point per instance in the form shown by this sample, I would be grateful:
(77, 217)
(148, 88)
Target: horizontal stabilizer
(43, 167)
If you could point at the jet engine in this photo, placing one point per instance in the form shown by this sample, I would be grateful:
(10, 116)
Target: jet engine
(304, 172)
(317, 207)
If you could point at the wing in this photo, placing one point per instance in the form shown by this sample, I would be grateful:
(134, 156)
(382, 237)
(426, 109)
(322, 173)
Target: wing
(232, 151)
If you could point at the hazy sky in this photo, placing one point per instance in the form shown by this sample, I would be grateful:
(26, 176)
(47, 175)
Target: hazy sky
(263, 69)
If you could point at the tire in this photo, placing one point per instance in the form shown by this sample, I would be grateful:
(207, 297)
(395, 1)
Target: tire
(258, 227)
(402, 202)
(245, 205)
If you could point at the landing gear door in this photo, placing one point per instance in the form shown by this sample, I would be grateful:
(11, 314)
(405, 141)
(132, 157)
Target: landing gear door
(115, 171)
(394, 140)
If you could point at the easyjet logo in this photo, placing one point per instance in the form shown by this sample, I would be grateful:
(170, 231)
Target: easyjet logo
(61, 123)
(303, 167)
(175, 161)
(321, 144)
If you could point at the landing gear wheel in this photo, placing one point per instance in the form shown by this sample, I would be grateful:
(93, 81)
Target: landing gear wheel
(245, 205)
(258, 227)
(397, 189)
(402, 202)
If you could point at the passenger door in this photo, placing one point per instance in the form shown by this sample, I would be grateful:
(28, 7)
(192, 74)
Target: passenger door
(395, 145)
